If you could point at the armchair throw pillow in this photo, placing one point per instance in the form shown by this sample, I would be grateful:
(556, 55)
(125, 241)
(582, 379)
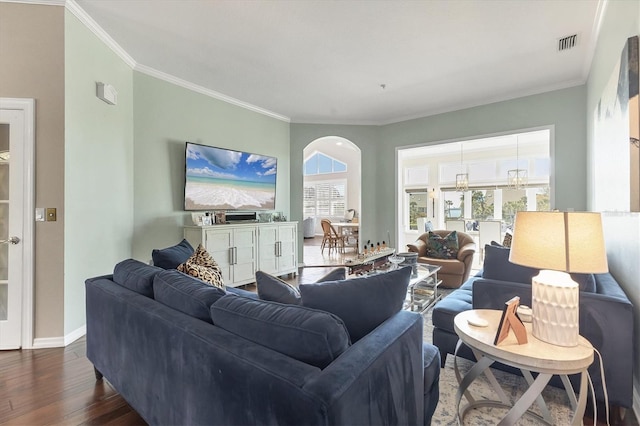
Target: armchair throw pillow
(442, 247)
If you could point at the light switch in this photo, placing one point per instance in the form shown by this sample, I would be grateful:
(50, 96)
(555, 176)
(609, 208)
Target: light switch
(39, 214)
(51, 214)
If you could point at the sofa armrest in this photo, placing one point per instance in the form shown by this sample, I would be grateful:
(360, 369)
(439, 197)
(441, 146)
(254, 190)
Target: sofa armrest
(419, 247)
(385, 365)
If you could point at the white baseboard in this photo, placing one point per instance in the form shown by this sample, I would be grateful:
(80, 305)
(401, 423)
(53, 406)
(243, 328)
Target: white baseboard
(59, 342)
(75, 335)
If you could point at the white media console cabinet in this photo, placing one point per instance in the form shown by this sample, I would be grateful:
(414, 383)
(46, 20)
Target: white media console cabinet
(241, 249)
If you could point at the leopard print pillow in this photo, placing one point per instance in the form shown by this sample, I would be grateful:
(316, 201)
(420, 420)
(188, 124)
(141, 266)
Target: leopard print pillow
(202, 266)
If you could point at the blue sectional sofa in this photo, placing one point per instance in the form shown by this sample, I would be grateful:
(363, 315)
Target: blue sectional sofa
(182, 352)
(606, 318)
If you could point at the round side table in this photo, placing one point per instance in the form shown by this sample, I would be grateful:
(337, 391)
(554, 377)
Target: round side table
(534, 356)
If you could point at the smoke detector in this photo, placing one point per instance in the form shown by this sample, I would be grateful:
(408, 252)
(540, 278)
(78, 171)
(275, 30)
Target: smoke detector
(568, 42)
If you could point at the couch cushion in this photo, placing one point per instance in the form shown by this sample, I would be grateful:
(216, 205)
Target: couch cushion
(171, 257)
(186, 294)
(442, 247)
(458, 301)
(362, 303)
(498, 267)
(202, 266)
(308, 335)
(276, 290)
(136, 276)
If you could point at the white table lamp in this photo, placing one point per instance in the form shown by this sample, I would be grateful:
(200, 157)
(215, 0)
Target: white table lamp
(559, 243)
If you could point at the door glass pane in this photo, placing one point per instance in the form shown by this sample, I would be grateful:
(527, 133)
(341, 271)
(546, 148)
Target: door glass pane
(417, 208)
(4, 218)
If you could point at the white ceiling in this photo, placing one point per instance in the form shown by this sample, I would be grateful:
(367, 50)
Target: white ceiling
(325, 60)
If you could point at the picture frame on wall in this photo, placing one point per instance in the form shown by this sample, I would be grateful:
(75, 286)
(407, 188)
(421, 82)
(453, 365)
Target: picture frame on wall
(617, 133)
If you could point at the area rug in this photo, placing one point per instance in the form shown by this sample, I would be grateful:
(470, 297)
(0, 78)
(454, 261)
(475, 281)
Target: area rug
(513, 385)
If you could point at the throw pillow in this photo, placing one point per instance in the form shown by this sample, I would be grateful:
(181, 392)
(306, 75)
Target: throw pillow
(497, 266)
(363, 303)
(276, 290)
(136, 276)
(334, 275)
(586, 282)
(506, 242)
(186, 294)
(171, 257)
(202, 266)
(308, 335)
(442, 247)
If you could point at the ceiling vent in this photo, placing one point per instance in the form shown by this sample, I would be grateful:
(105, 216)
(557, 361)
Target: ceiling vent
(566, 43)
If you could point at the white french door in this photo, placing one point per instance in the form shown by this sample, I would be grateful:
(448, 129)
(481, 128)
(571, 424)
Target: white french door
(16, 222)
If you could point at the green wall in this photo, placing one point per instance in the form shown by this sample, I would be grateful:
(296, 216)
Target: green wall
(165, 117)
(98, 166)
(366, 138)
(564, 109)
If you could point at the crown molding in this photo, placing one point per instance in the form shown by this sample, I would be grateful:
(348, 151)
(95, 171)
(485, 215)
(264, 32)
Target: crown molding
(93, 26)
(38, 2)
(102, 35)
(204, 91)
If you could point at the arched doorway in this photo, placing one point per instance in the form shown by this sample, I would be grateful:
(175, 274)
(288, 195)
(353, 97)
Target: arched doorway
(331, 190)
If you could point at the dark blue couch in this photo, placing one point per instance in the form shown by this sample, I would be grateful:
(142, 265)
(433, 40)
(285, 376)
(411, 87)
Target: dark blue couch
(149, 333)
(606, 319)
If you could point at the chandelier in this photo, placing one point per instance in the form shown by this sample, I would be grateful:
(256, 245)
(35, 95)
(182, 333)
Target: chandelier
(517, 178)
(462, 179)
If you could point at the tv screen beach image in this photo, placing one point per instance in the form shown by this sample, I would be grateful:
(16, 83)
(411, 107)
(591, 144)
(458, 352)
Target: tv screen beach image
(223, 179)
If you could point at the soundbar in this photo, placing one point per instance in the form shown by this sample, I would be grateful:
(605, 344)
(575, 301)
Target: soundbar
(233, 217)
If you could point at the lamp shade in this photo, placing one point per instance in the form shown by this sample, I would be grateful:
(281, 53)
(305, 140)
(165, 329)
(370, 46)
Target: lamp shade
(560, 241)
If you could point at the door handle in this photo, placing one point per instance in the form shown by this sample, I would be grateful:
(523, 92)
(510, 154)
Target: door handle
(12, 240)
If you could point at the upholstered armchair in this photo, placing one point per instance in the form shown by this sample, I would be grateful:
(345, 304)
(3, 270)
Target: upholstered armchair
(454, 272)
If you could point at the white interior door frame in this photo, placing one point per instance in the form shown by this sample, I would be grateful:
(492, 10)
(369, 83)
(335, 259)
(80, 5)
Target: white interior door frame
(28, 208)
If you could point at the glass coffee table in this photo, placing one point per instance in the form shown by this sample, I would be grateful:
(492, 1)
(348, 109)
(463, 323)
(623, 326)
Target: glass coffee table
(422, 292)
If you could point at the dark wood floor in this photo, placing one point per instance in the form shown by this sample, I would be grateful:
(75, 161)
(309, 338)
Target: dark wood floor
(58, 387)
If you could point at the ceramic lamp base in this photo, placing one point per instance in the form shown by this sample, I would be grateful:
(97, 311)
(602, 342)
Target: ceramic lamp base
(555, 303)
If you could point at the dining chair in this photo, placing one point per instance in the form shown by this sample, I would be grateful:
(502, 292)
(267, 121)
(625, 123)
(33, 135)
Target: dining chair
(330, 237)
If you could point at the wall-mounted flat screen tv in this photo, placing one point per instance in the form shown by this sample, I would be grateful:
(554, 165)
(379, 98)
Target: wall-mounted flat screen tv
(224, 179)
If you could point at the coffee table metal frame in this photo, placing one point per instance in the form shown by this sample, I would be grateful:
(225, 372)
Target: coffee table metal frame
(422, 293)
(534, 356)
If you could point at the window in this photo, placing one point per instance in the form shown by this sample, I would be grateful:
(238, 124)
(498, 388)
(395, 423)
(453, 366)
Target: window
(496, 203)
(325, 199)
(320, 163)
